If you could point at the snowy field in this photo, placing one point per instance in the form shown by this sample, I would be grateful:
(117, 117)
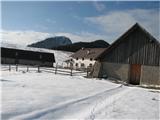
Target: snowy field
(46, 96)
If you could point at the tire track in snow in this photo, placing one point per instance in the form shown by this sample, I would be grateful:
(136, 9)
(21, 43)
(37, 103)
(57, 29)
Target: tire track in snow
(101, 101)
(90, 112)
(105, 101)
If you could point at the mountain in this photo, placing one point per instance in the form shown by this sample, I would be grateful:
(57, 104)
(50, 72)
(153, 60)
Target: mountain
(76, 46)
(52, 42)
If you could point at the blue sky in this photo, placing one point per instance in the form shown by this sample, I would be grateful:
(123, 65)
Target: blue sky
(79, 20)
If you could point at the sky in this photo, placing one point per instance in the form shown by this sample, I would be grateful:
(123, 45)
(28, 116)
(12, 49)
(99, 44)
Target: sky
(27, 22)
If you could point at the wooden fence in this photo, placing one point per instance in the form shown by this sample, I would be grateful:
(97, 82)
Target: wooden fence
(54, 70)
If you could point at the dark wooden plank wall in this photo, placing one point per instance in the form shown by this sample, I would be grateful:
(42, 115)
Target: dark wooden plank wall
(137, 48)
(27, 55)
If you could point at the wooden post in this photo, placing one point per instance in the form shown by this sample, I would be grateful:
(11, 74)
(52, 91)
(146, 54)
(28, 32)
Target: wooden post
(56, 69)
(87, 71)
(71, 71)
(9, 67)
(27, 68)
(38, 68)
(62, 65)
(16, 67)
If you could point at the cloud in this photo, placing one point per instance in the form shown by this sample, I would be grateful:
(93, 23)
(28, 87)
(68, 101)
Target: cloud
(24, 38)
(117, 22)
(114, 24)
(99, 6)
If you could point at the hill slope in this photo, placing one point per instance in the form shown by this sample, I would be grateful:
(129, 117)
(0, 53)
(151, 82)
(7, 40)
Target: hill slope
(76, 46)
(52, 42)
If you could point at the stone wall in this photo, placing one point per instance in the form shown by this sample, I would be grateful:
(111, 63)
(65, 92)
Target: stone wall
(150, 76)
(96, 69)
(114, 70)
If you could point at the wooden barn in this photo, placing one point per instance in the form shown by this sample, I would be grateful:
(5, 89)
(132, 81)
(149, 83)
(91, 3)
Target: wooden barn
(134, 58)
(26, 57)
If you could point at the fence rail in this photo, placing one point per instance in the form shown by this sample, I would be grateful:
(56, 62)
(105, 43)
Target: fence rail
(54, 70)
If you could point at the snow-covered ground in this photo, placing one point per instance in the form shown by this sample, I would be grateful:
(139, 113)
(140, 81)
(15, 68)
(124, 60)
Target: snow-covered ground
(46, 96)
(61, 56)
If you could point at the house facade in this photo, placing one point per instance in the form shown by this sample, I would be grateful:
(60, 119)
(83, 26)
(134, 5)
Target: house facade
(133, 58)
(85, 57)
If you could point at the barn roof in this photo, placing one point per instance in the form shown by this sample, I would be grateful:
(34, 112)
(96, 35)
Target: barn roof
(121, 39)
(88, 53)
(18, 47)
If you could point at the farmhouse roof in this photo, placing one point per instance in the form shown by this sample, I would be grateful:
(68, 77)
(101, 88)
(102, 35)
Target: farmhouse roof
(121, 39)
(88, 53)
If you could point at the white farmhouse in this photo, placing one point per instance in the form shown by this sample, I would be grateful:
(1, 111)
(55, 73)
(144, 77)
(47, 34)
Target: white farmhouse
(85, 57)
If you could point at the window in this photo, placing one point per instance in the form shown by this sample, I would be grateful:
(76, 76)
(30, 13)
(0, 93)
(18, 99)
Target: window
(76, 58)
(71, 64)
(82, 58)
(82, 64)
(91, 59)
(90, 65)
(76, 64)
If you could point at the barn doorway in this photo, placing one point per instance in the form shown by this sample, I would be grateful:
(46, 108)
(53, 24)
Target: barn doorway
(135, 74)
